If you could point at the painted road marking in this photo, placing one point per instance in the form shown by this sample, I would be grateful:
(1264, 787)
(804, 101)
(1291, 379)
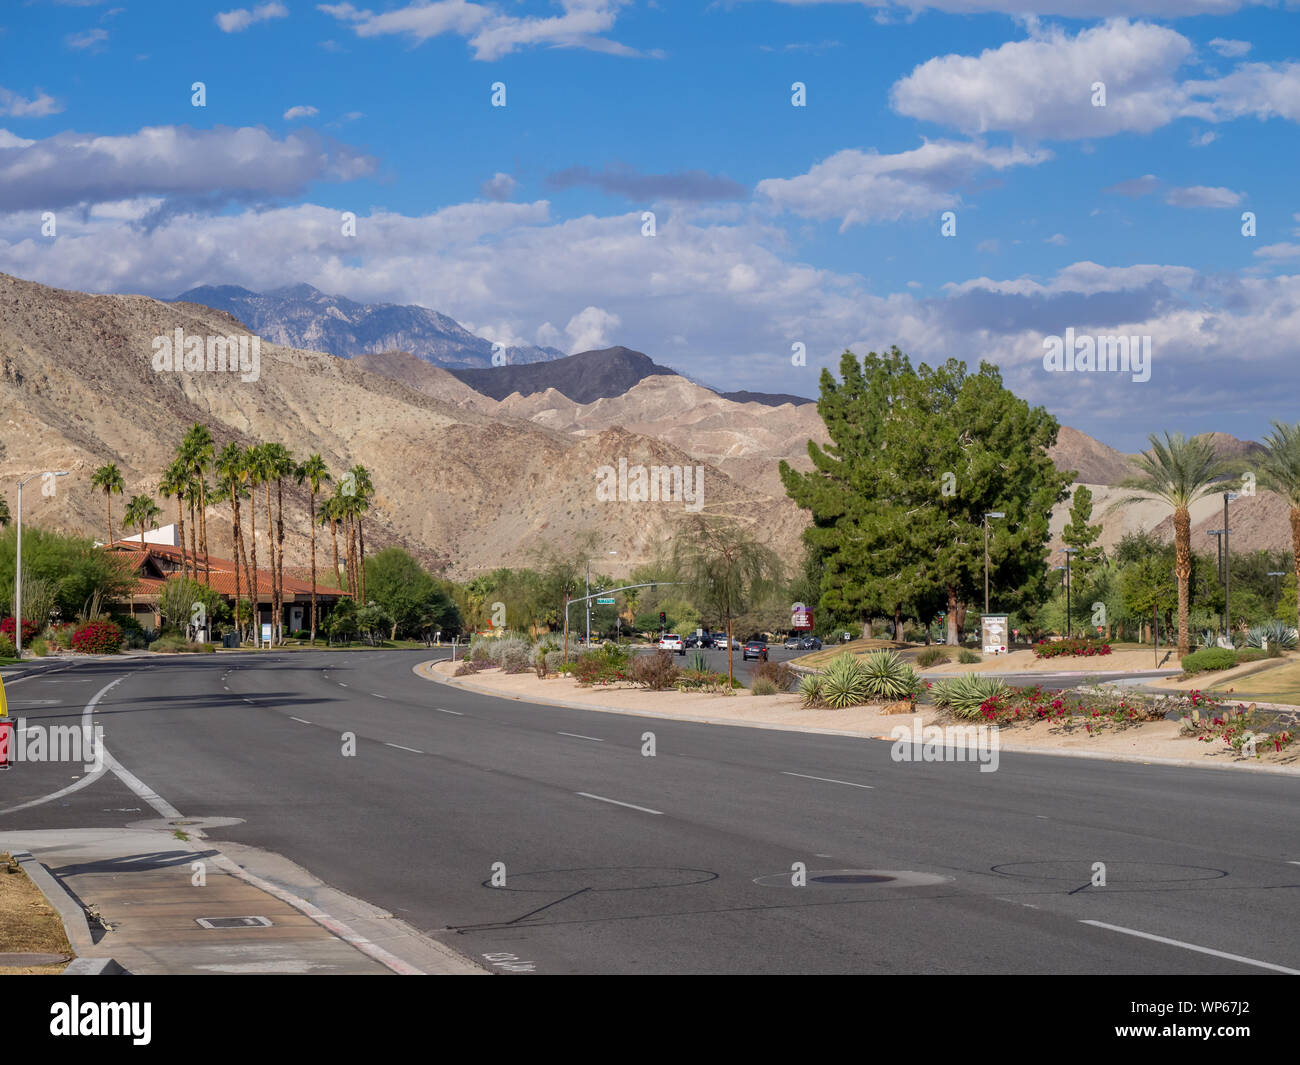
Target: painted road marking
(401, 748)
(378, 696)
(576, 736)
(828, 780)
(630, 806)
(442, 711)
(1193, 946)
(299, 720)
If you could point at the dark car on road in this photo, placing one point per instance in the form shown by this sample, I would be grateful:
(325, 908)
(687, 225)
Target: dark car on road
(754, 649)
(810, 643)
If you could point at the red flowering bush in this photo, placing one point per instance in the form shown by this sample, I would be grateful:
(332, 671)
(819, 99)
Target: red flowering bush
(1061, 648)
(97, 638)
(30, 631)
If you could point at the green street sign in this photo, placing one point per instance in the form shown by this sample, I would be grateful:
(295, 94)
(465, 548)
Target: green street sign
(604, 602)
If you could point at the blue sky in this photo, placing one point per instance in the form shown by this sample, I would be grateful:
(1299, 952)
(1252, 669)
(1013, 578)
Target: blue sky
(775, 224)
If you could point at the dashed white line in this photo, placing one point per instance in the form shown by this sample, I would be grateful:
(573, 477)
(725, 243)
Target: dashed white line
(630, 806)
(301, 721)
(576, 736)
(829, 780)
(401, 748)
(442, 711)
(1193, 946)
(378, 696)
(341, 684)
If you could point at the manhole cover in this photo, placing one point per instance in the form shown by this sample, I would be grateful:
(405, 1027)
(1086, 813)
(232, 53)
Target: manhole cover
(233, 922)
(851, 878)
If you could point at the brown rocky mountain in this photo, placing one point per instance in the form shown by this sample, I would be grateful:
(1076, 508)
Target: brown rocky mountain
(78, 389)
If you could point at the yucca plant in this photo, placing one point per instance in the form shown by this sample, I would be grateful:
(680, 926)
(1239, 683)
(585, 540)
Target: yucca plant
(1208, 638)
(810, 689)
(1275, 632)
(965, 693)
(845, 682)
(887, 676)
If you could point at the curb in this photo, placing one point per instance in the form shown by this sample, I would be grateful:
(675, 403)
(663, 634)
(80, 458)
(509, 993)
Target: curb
(1107, 756)
(69, 910)
(95, 967)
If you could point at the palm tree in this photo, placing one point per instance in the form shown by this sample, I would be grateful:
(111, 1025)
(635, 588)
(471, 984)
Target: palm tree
(282, 465)
(315, 473)
(330, 512)
(197, 449)
(251, 471)
(175, 482)
(1279, 469)
(142, 512)
(229, 468)
(1178, 471)
(108, 479)
(365, 489)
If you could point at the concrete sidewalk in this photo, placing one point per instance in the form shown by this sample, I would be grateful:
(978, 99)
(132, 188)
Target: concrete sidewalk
(151, 889)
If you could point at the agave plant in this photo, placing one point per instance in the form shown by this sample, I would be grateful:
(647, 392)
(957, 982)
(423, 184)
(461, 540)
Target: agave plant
(1275, 632)
(844, 682)
(810, 689)
(1208, 638)
(965, 693)
(888, 676)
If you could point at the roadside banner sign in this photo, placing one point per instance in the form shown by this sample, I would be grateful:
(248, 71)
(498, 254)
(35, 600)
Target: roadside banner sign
(993, 633)
(801, 617)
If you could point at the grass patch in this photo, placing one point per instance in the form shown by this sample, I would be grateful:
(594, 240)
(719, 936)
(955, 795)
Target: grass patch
(1278, 685)
(28, 924)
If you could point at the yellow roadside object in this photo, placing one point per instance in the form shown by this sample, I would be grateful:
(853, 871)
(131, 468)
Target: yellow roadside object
(4, 706)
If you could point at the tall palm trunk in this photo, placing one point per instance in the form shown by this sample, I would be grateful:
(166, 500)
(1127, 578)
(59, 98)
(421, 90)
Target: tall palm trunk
(334, 536)
(234, 552)
(203, 535)
(108, 509)
(361, 558)
(194, 538)
(1183, 571)
(352, 555)
(252, 570)
(270, 546)
(279, 539)
(1295, 554)
(180, 526)
(313, 567)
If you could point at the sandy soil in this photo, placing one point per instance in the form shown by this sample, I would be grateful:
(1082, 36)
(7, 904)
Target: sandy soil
(1024, 661)
(1151, 741)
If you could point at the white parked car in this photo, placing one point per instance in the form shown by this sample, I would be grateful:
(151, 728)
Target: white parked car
(670, 641)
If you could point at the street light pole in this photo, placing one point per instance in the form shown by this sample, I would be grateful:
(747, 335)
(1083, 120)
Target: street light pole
(1227, 568)
(587, 593)
(987, 515)
(18, 567)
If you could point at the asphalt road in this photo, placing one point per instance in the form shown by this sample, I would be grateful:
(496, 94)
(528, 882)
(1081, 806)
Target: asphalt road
(620, 863)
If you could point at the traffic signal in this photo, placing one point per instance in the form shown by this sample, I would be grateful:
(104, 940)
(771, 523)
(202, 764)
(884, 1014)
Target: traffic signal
(663, 619)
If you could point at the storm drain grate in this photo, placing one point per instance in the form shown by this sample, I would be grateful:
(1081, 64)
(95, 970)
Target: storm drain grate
(233, 922)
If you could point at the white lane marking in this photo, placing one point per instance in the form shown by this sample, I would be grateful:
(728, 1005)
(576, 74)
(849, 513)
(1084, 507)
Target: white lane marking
(89, 778)
(138, 786)
(1293, 863)
(401, 748)
(576, 736)
(1193, 946)
(630, 806)
(299, 719)
(378, 696)
(828, 780)
(442, 711)
(341, 684)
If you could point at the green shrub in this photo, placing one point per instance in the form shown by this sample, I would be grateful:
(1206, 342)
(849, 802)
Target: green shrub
(968, 658)
(1209, 658)
(7, 648)
(779, 673)
(763, 686)
(887, 676)
(931, 656)
(810, 690)
(844, 682)
(62, 635)
(175, 643)
(39, 647)
(1255, 654)
(965, 693)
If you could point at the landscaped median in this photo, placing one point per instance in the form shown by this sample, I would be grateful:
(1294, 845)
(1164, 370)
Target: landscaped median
(1120, 729)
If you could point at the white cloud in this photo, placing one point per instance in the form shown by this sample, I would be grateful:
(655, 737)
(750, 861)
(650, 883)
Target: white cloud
(1042, 87)
(1089, 9)
(859, 187)
(301, 111)
(498, 187)
(1202, 139)
(241, 18)
(216, 164)
(21, 107)
(1057, 239)
(12, 140)
(1230, 49)
(89, 39)
(1202, 196)
(590, 329)
(492, 34)
(1278, 251)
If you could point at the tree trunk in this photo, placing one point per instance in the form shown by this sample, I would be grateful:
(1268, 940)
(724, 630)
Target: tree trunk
(108, 509)
(313, 567)
(1183, 571)
(279, 540)
(252, 571)
(180, 526)
(203, 534)
(361, 557)
(234, 553)
(866, 629)
(194, 539)
(953, 630)
(270, 547)
(730, 673)
(898, 622)
(334, 537)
